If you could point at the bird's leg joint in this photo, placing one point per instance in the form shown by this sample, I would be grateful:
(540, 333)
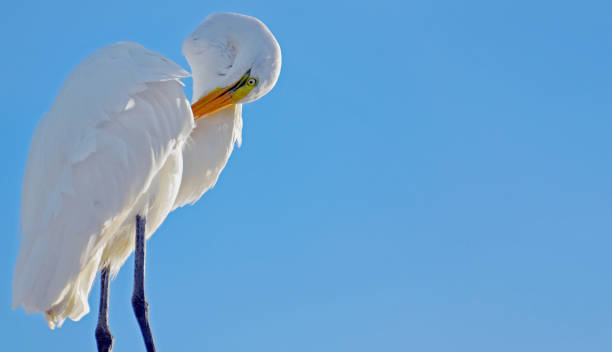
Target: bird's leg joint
(139, 304)
(104, 338)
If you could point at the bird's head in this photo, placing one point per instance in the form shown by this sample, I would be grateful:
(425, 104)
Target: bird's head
(234, 59)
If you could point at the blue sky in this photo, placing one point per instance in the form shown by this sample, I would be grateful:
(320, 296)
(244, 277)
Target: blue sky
(426, 176)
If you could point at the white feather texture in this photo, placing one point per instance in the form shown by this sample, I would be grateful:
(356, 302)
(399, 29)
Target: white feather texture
(207, 151)
(219, 51)
(120, 141)
(225, 46)
(94, 163)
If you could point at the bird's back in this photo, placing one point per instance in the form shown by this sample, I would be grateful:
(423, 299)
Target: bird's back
(113, 125)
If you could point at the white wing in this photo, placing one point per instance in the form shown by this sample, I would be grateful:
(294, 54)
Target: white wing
(119, 115)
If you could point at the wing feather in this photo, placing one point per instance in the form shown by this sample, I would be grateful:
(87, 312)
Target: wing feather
(115, 121)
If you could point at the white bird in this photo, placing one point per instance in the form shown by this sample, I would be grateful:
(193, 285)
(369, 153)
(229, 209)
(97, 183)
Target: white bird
(121, 144)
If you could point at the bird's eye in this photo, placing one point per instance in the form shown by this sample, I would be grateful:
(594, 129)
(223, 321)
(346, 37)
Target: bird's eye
(252, 81)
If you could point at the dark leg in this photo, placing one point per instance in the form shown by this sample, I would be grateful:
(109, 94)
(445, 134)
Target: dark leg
(139, 303)
(104, 338)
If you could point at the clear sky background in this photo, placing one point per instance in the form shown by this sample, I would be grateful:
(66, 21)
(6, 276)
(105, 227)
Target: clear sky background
(426, 176)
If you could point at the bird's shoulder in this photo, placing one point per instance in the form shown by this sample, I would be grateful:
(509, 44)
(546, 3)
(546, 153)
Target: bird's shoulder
(116, 118)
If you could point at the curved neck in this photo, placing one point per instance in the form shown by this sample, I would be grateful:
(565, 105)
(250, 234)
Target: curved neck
(206, 152)
(214, 63)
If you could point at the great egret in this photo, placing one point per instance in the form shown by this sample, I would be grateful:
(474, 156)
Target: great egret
(120, 146)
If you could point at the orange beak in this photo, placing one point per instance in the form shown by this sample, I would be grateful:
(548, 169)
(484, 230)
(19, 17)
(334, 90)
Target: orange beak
(212, 102)
(220, 98)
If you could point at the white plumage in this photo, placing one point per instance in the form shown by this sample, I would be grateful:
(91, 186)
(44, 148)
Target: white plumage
(120, 141)
(207, 151)
(94, 163)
